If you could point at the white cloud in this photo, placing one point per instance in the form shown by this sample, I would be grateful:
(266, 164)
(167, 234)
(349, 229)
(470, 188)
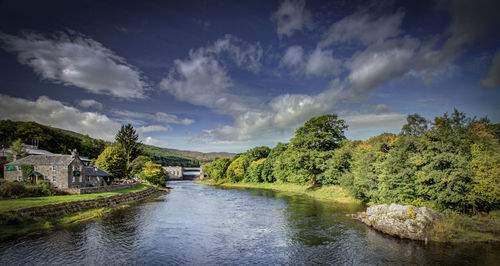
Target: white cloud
(158, 116)
(77, 60)
(155, 142)
(54, 113)
(493, 78)
(202, 80)
(293, 56)
(322, 63)
(358, 121)
(153, 128)
(363, 27)
(90, 103)
(283, 113)
(291, 16)
(245, 55)
(381, 62)
(380, 108)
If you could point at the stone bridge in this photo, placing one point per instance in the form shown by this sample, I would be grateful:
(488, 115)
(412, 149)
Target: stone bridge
(183, 173)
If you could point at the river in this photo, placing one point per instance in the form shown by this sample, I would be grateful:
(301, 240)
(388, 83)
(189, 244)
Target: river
(202, 225)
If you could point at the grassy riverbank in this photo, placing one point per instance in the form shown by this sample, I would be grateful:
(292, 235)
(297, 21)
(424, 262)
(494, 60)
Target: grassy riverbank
(13, 225)
(457, 228)
(13, 204)
(326, 192)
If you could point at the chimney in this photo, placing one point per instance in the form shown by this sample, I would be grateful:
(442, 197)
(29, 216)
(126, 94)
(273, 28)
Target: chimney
(74, 153)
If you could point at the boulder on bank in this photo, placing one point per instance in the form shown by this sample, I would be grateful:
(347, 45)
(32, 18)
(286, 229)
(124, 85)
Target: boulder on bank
(403, 221)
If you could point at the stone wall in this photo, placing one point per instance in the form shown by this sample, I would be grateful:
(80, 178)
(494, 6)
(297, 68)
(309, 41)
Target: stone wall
(60, 209)
(89, 190)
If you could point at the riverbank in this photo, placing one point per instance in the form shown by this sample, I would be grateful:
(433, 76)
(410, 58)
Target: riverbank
(456, 228)
(69, 210)
(13, 204)
(328, 192)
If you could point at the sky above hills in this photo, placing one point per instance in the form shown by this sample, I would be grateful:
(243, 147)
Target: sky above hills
(230, 75)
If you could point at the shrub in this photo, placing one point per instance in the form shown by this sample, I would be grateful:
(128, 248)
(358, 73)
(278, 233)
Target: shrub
(12, 190)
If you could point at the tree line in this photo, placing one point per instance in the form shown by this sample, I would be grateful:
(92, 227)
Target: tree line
(451, 162)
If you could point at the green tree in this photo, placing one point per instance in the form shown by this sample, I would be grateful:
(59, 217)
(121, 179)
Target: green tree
(338, 167)
(137, 164)
(485, 164)
(236, 170)
(114, 161)
(258, 153)
(219, 169)
(320, 133)
(415, 126)
(267, 168)
(254, 171)
(127, 137)
(154, 173)
(91, 147)
(16, 149)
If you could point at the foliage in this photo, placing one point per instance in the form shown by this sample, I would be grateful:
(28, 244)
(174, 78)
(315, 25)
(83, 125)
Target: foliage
(267, 168)
(485, 162)
(60, 141)
(320, 133)
(16, 149)
(236, 170)
(14, 189)
(450, 163)
(258, 153)
(216, 170)
(137, 164)
(91, 147)
(416, 125)
(154, 173)
(254, 171)
(113, 160)
(26, 169)
(127, 138)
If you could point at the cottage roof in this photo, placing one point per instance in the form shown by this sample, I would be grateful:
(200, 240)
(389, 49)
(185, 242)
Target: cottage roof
(94, 171)
(44, 160)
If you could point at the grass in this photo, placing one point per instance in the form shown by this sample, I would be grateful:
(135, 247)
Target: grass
(326, 192)
(13, 204)
(463, 228)
(18, 226)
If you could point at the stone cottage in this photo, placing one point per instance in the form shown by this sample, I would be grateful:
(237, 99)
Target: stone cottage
(63, 171)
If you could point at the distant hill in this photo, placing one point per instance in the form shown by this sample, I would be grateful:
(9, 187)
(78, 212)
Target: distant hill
(201, 156)
(58, 140)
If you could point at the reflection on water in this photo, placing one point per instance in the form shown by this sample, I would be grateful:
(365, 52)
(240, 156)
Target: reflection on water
(199, 224)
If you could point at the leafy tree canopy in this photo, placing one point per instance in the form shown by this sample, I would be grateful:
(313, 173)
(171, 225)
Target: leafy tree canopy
(320, 133)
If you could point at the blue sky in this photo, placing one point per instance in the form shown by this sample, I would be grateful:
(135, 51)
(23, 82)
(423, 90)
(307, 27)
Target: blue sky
(230, 75)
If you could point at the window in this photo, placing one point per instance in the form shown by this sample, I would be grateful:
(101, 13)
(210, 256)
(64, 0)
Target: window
(35, 168)
(53, 167)
(80, 179)
(80, 168)
(73, 180)
(73, 168)
(97, 179)
(53, 178)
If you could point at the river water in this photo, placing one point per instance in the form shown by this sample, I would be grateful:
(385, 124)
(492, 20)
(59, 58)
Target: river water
(202, 225)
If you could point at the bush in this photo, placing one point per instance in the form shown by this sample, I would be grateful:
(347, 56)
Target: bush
(12, 190)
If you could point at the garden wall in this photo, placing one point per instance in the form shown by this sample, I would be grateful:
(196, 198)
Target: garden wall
(89, 190)
(60, 209)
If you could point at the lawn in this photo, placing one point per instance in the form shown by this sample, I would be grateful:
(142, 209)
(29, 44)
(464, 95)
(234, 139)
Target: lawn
(12, 204)
(326, 192)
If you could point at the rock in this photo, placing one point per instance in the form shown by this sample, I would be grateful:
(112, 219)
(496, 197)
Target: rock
(403, 221)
